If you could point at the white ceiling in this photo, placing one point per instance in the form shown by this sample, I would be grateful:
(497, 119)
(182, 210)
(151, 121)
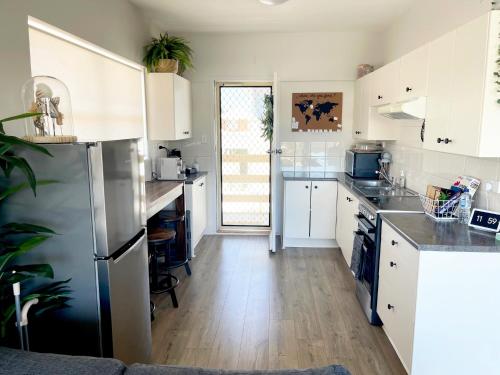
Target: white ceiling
(252, 16)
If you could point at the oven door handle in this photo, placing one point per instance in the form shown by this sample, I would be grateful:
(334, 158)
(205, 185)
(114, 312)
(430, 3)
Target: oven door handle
(363, 226)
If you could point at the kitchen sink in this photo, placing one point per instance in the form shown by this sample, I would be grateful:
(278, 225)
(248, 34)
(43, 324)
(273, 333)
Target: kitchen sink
(371, 184)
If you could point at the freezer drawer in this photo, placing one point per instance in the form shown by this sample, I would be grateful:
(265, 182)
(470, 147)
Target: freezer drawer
(124, 294)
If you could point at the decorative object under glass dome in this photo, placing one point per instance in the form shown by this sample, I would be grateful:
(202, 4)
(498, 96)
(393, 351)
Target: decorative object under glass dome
(49, 97)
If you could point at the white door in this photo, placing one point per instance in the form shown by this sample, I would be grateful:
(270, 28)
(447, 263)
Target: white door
(297, 209)
(274, 151)
(323, 209)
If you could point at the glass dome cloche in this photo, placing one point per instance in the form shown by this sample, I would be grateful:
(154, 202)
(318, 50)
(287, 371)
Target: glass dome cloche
(49, 97)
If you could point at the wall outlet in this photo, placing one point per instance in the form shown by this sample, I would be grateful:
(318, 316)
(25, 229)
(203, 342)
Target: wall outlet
(492, 187)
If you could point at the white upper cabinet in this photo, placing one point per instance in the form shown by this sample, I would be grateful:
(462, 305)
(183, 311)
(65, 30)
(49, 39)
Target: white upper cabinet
(384, 84)
(368, 124)
(438, 92)
(457, 75)
(463, 115)
(168, 107)
(413, 74)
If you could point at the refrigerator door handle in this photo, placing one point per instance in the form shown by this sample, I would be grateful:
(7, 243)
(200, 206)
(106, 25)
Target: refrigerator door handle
(132, 245)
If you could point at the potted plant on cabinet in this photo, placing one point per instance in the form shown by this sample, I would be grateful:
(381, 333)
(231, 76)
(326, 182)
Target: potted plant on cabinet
(168, 54)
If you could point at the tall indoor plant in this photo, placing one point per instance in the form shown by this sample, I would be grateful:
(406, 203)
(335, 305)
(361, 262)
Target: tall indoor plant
(168, 54)
(17, 239)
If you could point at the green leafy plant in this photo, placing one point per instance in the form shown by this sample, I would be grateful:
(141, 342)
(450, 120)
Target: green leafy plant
(268, 118)
(17, 239)
(168, 47)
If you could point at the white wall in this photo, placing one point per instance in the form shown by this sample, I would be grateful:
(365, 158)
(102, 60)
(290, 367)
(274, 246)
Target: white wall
(303, 61)
(425, 21)
(115, 25)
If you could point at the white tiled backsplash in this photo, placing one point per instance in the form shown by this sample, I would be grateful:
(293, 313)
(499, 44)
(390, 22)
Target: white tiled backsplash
(424, 168)
(312, 156)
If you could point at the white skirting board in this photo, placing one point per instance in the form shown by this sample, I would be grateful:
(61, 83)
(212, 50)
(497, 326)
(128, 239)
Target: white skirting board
(308, 242)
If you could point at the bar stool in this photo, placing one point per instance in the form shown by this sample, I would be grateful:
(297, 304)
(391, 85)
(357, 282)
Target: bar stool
(159, 244)
(171, 219)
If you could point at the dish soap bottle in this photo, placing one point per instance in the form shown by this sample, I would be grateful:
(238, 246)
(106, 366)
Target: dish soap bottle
(464, 207)
(402, 180)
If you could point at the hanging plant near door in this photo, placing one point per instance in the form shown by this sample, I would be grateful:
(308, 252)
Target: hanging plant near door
(267, 119)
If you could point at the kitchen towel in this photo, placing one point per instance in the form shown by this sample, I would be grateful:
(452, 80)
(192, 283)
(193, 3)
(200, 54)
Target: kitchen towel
(357, 256)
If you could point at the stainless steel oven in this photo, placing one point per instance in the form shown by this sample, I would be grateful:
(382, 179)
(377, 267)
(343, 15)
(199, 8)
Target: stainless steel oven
(362, 164)
(367, 283)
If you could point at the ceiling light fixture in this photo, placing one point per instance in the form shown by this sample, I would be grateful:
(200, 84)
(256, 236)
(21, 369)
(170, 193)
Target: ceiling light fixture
(272, 2)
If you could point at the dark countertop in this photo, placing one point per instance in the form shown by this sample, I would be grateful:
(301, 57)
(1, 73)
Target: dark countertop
(189, 179)
(313, 176)
(427, 234)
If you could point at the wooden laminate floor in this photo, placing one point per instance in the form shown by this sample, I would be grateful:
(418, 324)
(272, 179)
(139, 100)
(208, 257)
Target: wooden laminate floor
(245, 308)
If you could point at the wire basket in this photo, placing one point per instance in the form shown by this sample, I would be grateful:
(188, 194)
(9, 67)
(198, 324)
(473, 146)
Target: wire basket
(442, 210)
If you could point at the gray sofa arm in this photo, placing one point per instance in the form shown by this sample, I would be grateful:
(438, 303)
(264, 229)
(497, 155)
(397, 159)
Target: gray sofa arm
(139, 369)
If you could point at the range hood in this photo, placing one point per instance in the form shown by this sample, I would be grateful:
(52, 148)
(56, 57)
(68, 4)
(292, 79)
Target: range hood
(410, 110)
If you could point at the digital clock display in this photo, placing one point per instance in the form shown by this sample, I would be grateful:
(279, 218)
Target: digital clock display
(485, 220)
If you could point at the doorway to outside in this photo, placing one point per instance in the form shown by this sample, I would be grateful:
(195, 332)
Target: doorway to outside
(244, 157)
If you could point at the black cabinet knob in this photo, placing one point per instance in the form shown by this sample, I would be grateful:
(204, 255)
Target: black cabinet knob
(408, 89)
(357, 132)
(447, 140)
(186, 132)
(349, 199)
(389, 306)
(379, 97)
(392, 264)
(307, 186)
(439, 140)
(394, 243)
(315, 186)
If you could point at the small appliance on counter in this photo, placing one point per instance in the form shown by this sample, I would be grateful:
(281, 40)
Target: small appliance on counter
(362, 164)
(169, 168)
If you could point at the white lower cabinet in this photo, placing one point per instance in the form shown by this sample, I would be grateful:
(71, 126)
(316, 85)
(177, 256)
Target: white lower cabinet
(397, 291)
(347, 207)
(440, 309)
(196, 203)
(309, 217)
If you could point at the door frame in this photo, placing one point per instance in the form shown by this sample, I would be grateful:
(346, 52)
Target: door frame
(258, 230)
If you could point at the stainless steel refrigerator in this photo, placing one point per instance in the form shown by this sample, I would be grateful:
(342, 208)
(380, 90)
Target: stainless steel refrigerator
(97, 207)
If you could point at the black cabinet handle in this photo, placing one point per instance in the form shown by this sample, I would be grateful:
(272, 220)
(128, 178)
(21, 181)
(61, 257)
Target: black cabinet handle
(389, 306)
(392, 264)
(379, 97)
(186, 132)
(408, 89)
(447, 140)
(201, 184)
(349, 199)
(357, 132)
(394, 243)
(439, 140)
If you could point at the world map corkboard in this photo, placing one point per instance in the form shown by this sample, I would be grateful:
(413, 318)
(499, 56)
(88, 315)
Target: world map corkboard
(317, 112)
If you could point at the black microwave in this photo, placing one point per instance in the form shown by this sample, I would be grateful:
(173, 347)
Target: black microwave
(362, 164)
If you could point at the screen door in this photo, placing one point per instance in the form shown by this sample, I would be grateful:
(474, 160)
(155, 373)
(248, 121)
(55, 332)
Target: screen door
(244, 156)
